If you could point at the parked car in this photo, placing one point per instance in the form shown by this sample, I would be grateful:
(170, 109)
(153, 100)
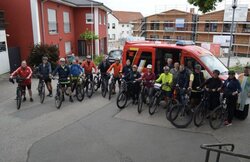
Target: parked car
(113, 54)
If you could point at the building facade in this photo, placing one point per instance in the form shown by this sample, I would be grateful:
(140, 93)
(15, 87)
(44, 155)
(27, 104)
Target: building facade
(176, 25)
(120, 27)
(57, 22)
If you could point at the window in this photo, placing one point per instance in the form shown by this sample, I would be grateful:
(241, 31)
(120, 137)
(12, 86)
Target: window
(166, 37)
(145, 59)
(104, 19)
(154, 25)
(100, 19)
(89, 18)
(67, 47)
(128, 25)
(211, 26)
(108, 25)
(66, 22)
(109, 36)
(168, 24)
(179, 37)
(213, 63)
(113, 25)
(123, 25)
(154, 36)
(227, 28)
(246, 28)
(2, 46)
(52, 21)
(113, 36)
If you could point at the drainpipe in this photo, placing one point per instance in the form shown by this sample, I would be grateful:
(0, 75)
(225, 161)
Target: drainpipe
(42, 2)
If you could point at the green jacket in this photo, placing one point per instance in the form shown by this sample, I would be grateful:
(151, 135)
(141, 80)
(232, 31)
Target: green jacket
(165, 78)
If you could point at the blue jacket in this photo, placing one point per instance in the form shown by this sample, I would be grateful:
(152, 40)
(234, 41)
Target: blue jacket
(231, 85)
(63, 73)
(45, 70)
(75, 70)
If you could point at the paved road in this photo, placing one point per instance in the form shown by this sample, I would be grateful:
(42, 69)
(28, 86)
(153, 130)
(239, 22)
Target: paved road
(95, 130)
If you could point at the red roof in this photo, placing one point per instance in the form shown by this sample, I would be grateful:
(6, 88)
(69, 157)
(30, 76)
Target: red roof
(127, 16)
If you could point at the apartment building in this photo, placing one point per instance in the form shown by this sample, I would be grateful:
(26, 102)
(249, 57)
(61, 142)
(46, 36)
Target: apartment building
(57, 22)
(176, 25)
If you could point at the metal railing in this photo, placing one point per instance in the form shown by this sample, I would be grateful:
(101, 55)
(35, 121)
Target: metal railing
(217, 148)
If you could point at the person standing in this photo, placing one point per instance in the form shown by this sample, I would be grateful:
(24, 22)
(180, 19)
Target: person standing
(134, 87)
(25, 73)
(175, 72)
(117, 69)
(231, 89)
(242, 111)
(127, 68)
(44, 70)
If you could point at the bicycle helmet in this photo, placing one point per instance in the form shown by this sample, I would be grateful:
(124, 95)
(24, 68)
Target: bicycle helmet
(165, 68)
(45, 58)
(149, 66)
(88, 57)
(62, 59)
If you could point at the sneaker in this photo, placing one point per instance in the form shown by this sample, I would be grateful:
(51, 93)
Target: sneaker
(24, 99)
(50, 95)
(71, 99)
(31, 100)
(226, 123)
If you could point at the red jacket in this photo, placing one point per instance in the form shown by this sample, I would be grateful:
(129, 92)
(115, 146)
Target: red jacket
(148, 77)
(88, 67)
(23, 73)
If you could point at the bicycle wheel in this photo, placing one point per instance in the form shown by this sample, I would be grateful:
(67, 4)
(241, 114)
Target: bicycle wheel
(104, 88)
(181, 116)
(96, 83)
(199, 115)
(140, 103)
(58, 99)
(79, 94)
(154, 105)
(121, 100)
(170, 105)
(217, 117)
(42, 93)
(90, 89)
(18, 98)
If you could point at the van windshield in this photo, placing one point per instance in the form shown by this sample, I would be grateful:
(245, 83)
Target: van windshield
(214, 64)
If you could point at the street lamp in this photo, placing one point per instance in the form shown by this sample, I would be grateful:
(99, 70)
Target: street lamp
(234, 6)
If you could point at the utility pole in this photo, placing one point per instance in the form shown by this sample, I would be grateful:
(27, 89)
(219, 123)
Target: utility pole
(234, 6)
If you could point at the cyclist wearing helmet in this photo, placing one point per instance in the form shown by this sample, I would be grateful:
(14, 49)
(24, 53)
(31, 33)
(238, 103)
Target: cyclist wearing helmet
(212, 86)
(88, 66)
(63, 71)
(166, 79)
(44, 70)
(149, 78)
(117, 69)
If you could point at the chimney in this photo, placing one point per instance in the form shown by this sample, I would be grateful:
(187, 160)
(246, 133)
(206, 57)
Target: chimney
(192, 10)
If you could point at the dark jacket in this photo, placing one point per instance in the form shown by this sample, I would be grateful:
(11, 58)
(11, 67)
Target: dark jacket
(230, 86)
(126, 70)
(212, 83)
(133, 75)
(63, 73)
(183, 79)
(198, 80)
(103, 68)
(45, 70)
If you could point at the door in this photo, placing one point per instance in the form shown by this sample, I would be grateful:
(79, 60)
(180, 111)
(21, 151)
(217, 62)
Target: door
(82, 48)
(14, 58)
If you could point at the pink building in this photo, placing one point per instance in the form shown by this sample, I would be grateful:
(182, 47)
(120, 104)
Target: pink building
(58, 22)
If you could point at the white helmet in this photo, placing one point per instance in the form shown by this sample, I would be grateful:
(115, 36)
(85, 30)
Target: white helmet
(62, 59)
(149, 66)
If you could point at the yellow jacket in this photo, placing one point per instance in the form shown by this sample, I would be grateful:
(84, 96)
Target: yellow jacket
(165, 78)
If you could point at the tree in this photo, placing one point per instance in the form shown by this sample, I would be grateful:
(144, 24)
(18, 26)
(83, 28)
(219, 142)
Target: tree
(205, 5)
(88, 36)
(39, 50)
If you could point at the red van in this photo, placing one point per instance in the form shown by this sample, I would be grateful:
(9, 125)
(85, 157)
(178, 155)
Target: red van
(142, 53)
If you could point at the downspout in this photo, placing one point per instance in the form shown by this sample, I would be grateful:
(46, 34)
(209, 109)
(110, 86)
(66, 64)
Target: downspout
(42, 2)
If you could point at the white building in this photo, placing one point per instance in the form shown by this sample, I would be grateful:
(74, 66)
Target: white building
(120, 27)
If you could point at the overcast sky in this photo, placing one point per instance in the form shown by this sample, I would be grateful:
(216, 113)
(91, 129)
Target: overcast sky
(149, 7)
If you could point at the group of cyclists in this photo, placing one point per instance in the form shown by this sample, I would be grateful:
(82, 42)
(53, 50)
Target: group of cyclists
(174, 76)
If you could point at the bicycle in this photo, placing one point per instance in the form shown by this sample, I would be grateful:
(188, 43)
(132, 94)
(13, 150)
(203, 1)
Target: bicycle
(142, 97)
(79, 88)
(181, 114)
(173, 100)
(157, 98)
(59, 94)
(111, 85)
(97, 81)
(124, 94)
(201, 111)
(104, 85)
(89, 85)
(41, 89)
(219, 115)
(19, 91)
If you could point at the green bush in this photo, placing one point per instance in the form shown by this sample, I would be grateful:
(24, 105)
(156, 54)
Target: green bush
(40, 50)
(98, 59)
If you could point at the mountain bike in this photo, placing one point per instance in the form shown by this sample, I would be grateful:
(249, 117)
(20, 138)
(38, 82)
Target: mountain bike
(89, 85)
(124, 95)
(97, 81)
(20, 92)
(111, 85)
(41, 89)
